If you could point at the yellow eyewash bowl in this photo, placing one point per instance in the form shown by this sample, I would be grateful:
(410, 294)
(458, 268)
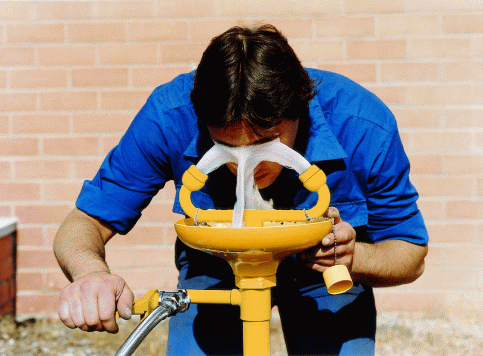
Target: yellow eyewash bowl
(254, 253)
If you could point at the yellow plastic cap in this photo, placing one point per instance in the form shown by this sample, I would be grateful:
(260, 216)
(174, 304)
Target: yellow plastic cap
(337, 279)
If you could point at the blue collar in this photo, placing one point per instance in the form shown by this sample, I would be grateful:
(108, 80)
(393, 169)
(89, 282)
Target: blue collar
(322, 143)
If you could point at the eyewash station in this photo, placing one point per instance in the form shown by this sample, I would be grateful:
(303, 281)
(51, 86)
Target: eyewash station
(253, 238)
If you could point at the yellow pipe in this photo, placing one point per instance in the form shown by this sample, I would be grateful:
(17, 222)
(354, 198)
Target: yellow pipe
(256, 338)
(214, 296)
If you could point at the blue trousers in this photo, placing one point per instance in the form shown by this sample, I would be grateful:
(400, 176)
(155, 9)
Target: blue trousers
(313, 321)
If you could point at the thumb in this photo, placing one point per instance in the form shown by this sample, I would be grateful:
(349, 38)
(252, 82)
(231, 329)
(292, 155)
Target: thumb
(125, 302)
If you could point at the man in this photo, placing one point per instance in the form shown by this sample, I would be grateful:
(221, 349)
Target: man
(250, 88)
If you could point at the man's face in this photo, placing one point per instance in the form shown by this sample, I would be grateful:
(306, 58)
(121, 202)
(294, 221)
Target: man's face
(243, 135)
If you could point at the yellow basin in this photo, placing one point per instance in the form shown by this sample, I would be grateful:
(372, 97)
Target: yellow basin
(279, 239)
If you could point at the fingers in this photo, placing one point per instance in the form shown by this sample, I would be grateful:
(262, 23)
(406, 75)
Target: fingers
(90, 304)
(125, 303)
(333, 213)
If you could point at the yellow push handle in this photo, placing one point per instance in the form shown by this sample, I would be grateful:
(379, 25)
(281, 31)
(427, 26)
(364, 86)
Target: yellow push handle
(313, 179)
(145, 305)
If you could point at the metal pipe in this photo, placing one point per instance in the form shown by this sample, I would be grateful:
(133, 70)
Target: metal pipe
(170, 303)
(160, 313)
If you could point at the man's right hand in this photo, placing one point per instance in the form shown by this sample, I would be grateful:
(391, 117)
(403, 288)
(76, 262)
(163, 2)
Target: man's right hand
(90, 302)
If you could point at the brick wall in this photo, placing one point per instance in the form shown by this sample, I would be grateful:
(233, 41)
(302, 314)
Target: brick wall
(73, 75)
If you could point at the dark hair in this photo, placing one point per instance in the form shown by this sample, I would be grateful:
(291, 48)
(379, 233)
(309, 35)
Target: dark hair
(251, 75)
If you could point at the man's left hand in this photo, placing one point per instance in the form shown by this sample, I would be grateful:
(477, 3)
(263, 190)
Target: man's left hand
(321, 257)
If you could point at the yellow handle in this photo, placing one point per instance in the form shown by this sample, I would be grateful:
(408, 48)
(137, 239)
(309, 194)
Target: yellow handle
(313, 179)
(145, 305)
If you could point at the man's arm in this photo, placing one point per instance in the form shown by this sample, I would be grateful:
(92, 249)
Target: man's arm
(383, 264)
(90, 301)
(388, 263)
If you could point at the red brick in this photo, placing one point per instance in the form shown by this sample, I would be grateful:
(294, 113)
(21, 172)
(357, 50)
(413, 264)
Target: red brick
(63, 10)
(38, 78)
(19, 146)
(30, 236)
(432, 209)
(467, 209)
(463, 255)
(42, 169)
(4, 124)
(409, 72)
(12, 56)
(69, 100)
(155, 76)
(463, 70)
(36, 258)
(35, 33)
(439, 142)
(61, 191)
(106, 122)
(434, 186)
(187, 9)
(439, 48)
(417, 118)
(30, 281)
(41, 214)
(293, 27)
(125, 9)
(151, 31)
(100, 77)
(17, 10)
(18, 102)
(461, 164)
(182, 52)
(206, 29)
(467, 23)
(391, 95)
(19, 191)
(426, 164)
(171, 235)
(5, 170)
(108, 143)
(318, 50)
(67, 55)
(37, 303)
(449, 94)
(140, 235)
(159, 213)
(374, 6)
(124, 100)
(3, 79)
(40, 123)
(451, 232)
(86, 169)
(55, 281)
(76, 146)
(146, 278)
(376, 49)
(345, 26)
(127, 53)
(96, 32)
(282, 7)
(359, 73)
(413, 24)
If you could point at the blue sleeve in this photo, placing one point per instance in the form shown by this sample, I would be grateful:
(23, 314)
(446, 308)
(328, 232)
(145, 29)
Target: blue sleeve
(131, 174)
(392, 209)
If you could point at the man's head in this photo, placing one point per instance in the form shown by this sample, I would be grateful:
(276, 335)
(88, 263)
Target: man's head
(250, 87)
(251, 75)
